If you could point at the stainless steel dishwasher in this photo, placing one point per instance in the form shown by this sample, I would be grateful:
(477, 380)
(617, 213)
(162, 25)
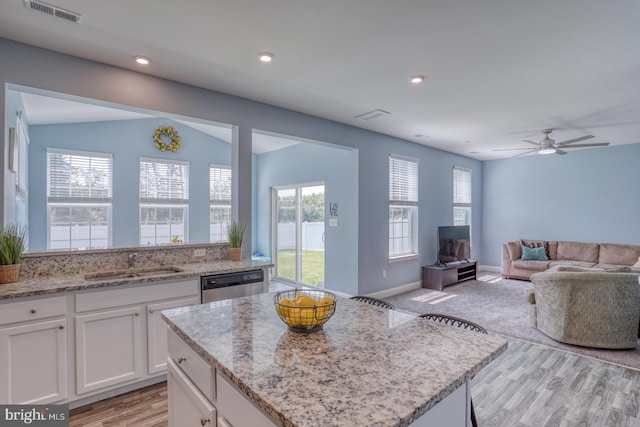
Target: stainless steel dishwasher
(231, 285)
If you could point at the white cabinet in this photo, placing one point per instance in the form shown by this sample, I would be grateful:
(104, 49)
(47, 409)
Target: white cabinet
(120, 337)
(157, 332)
(33, 351)
(108, 348)
(187, 405)
(235, 408)
(195, 389)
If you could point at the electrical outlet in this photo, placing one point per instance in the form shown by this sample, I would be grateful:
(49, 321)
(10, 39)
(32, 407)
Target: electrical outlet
(384, 274)
(199, 252)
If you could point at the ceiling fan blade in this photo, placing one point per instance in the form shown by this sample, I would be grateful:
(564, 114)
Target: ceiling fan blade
(595, 144)
(514, 149)
(571, 141)
(526, 152)
(560, 151)
(530, 142)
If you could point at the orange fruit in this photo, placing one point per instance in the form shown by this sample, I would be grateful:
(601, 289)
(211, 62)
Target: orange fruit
(305, 301)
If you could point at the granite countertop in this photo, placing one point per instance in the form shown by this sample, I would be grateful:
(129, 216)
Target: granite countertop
(73, 282)
(368, 366)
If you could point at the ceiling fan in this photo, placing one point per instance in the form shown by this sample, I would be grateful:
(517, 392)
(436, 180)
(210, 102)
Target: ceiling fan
(550, 146)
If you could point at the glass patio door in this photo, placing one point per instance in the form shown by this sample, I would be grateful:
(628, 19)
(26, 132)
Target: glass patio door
(299, 234)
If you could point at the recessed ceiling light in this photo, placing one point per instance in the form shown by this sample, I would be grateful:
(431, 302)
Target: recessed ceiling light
(266, 56)
(417, 79)
(142, 60)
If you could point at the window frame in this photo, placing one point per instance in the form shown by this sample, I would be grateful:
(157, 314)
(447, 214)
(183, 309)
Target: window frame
(164, 202)
(79, 202)
(220, 203)
(460, 200)
(404, 196)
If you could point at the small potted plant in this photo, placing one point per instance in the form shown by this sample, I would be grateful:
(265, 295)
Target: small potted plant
(12, 241)
(235, 231)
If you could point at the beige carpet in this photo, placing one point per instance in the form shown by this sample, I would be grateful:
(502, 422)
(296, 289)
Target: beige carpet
(500, 306)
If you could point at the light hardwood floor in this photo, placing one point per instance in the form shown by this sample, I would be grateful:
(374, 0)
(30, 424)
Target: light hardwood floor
(146, 407)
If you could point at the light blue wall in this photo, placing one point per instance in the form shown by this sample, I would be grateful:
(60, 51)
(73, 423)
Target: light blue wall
(311, 163)
(83, 78)
(586, 196)
(15, 209)
(127, 140)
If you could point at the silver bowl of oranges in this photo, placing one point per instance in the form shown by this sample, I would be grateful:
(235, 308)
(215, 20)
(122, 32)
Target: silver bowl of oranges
(305, 310)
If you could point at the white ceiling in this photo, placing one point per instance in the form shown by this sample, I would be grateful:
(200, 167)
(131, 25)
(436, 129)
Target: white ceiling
(496, 71)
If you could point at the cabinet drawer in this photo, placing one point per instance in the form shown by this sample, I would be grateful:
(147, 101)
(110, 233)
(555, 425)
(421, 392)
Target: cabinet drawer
(187, 406)
(98, 300)
(199, 371)
(24, 311)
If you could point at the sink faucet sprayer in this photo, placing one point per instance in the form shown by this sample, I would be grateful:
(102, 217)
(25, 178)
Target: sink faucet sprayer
(132, 260)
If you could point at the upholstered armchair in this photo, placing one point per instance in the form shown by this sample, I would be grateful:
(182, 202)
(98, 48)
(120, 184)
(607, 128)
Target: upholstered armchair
(587, 308)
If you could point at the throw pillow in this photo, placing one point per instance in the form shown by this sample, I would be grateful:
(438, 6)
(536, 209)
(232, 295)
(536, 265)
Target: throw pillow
(534, 254)
(537, 244)
(637, 264)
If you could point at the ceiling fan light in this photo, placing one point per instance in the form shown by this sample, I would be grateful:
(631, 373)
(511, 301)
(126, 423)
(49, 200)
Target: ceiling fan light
(548, 150)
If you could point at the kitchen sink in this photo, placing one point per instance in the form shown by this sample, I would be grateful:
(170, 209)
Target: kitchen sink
(132, 274)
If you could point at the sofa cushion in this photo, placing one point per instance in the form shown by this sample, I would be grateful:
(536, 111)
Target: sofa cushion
(566, 262)
(536, 244)
(577, 251)
(531, 265)
(538, 254)
(611, 253)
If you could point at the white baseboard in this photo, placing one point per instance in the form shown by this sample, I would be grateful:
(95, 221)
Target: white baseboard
(491, 268)
(397, 290)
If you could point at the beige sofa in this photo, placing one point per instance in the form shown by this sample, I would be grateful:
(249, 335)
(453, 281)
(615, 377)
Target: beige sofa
(561, 253)
(587, 308)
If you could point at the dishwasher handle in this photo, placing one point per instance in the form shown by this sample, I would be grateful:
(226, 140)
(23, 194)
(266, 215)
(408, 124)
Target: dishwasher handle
(231, 279)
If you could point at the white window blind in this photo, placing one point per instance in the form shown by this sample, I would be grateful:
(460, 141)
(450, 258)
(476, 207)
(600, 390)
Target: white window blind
(163, 181)
(403, 181)
(220, 184)
(461, 196)
(220, 202)
(403, 206)
(79, 190)
(461, 186)
(78, 177)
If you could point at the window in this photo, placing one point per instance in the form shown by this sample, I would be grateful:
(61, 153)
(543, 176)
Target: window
(79, 190)
(403, 206)
(220, 202)
(461, 196)
(164, 197)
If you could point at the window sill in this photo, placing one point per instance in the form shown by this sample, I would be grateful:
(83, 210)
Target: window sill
(400, 258)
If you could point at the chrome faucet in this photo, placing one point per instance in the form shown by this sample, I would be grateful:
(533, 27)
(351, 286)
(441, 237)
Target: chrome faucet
(132, 260)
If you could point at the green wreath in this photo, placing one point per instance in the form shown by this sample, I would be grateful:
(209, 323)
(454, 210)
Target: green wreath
(172, 133)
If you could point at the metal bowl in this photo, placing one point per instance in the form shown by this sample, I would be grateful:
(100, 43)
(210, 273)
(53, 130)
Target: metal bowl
(305, 318)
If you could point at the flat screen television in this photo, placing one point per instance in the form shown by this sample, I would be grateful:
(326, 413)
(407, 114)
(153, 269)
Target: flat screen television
(454, 243)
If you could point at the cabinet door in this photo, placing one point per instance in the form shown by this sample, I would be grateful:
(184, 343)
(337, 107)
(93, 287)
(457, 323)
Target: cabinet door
(33, 360)
(157, 353)
(108, 348)
(236, 408)
(187, 406)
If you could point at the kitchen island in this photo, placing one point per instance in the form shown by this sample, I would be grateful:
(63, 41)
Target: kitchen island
(368, 366)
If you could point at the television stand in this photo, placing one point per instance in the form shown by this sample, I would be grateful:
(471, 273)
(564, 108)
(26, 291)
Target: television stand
(440, 275)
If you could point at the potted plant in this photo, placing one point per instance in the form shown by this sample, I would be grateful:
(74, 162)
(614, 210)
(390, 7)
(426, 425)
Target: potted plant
(235, 231)
(12, 241)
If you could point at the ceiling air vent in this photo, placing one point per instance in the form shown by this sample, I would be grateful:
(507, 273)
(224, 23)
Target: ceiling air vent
(52, 10)
(372, 115)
